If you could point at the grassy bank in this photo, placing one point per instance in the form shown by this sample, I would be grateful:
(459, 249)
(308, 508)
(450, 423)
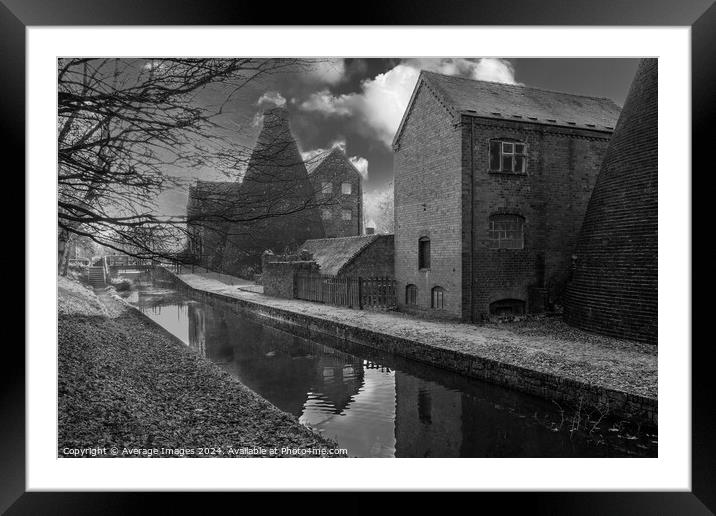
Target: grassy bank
(126, 384)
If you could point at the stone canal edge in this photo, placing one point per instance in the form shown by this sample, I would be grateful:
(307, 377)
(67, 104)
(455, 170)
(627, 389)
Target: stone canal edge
(550, 386)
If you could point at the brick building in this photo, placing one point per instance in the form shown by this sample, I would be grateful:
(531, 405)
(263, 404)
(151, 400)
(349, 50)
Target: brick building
(284, 204)
(338, 188)
(614, 288)
(368, 256)
(491, 185)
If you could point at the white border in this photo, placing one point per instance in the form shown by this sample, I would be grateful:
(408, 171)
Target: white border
(672, 468)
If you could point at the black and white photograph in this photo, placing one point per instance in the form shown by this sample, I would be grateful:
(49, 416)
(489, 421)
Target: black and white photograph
(435, 248)
(348, 257)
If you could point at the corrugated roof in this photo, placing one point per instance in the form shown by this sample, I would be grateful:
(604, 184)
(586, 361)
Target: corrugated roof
(521, 103)
(332, 254)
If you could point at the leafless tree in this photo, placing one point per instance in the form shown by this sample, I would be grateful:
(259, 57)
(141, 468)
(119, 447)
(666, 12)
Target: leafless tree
(123, 124)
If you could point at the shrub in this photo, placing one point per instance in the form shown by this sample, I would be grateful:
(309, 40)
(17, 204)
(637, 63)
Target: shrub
(122, 285)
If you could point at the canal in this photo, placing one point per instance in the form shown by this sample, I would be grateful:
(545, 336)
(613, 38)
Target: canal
(380, 405)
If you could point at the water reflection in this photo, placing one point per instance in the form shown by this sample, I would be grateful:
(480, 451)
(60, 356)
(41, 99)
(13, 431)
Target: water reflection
(373, 404)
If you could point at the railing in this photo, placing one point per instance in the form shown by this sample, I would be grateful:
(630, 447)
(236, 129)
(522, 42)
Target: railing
(351, 292)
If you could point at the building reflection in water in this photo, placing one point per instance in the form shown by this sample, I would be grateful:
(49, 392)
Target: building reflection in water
(405, 410)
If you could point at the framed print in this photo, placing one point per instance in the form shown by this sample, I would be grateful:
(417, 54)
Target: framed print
(449, 250)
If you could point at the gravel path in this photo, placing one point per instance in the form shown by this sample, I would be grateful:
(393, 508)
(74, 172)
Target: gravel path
(544, 344)
(124, 382)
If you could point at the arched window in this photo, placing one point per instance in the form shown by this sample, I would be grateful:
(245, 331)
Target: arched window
(437, 298)
(507, 307)
(411, 295)
(508, 155)
(424, 253)
(506, 232)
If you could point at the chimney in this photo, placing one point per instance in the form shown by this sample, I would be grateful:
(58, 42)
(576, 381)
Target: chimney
(276, 116)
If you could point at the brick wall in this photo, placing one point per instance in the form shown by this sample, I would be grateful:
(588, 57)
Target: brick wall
(428, 179)
(336, 169)
(376, 260)
(277, 276)
(562, 167)
(614, 287)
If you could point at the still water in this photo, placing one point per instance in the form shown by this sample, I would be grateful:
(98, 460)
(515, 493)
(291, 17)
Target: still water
(380, 405)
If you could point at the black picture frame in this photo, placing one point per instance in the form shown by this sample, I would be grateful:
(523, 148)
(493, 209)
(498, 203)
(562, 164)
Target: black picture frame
(17, 15)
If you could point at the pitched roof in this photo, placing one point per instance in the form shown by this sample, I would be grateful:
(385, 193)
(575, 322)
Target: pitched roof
(333, 254)
(314, 162)
(521, 103)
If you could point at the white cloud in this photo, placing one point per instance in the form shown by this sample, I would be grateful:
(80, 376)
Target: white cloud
(328, 71)
(307, 155)
(380, 104)
(361, 164)
(272, 97)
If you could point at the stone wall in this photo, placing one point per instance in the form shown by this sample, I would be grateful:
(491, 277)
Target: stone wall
(278, 273)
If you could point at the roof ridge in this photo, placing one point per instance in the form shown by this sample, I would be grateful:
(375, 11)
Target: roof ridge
(521, 86)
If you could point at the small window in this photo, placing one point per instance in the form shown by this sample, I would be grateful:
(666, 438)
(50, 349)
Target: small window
(411, 295)
(346, 214)
(346, 188)
(506, 232)
(327, 187)
(326, 214)
(424, 253)
(437, 298)
(508, 156)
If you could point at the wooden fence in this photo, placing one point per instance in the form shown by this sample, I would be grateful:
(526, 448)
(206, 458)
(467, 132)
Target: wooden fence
(351, 292)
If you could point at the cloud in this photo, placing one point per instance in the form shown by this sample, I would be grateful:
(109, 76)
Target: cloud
(378, 209)
(379, 106)
(361, 164)
(307, 155)
(272, 97)
(327, 71)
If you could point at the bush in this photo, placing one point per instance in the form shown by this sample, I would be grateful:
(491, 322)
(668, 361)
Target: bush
(122, 285)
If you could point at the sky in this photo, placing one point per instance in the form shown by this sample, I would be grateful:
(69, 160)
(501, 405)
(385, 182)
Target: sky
(358, 104)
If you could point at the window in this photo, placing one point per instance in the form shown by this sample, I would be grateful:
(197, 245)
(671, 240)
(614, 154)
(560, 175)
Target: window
(508, 156)
(326, 214)
(506, 232)
(346, 214)
(411, 295)
(424, 253)
(437, 298)
(346, 188)
(327, 187)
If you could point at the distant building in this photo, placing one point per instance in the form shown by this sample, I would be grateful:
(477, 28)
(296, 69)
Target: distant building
(368, 256)
(231, 223)
(491, 185)
(279, 203)
(339, 193)
(614, 288)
